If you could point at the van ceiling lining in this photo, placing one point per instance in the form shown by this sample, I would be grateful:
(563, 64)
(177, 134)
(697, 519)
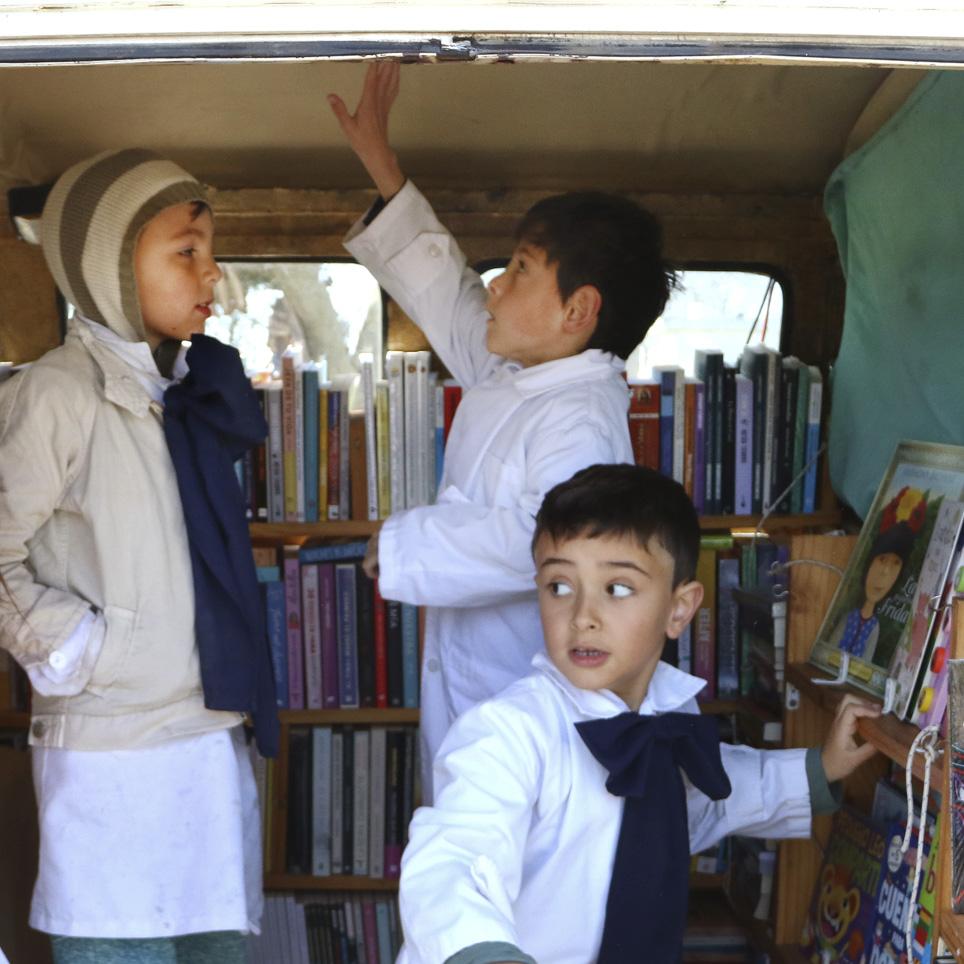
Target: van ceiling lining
(938, 52)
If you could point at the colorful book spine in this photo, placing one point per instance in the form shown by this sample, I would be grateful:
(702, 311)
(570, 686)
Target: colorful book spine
(309, 395)
(365, 629)
(667, 416)
(289, 375)
(393, 637)
(274, 608)
(813, 439)
(644, 401)
(328, 620)
(345, 593)
(800, 437)
(743, 453)
(708, 367)
(728, 446)
(452, 392)
(371, 441)
(311, 631)
(689, 435)
(344, 457)
(275, 459)
(699, 449)
(296, 673)
(409, 656)
(334, 453)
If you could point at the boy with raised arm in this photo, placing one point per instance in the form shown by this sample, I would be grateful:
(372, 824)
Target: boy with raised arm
(540, 357)
(567, 806)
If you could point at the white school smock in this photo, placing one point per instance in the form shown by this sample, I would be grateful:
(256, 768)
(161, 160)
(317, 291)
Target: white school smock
(154, 842)
(520, 843)
(517, 433)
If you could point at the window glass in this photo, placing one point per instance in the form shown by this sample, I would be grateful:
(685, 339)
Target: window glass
(329, 311)
(718, 308)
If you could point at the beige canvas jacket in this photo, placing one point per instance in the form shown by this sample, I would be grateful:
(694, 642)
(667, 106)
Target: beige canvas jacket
(90, 517)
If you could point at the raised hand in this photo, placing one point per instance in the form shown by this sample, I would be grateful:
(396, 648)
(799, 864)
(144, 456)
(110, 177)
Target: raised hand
(367, 129)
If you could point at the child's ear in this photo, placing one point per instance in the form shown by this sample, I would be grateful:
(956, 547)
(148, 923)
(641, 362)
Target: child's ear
(582, 311)
(687, 597)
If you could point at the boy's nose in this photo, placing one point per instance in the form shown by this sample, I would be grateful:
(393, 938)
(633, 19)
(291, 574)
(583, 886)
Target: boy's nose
(583, 617)
(213, 272)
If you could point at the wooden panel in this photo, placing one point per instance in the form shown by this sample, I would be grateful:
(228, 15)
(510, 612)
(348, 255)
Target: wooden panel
(29, 319)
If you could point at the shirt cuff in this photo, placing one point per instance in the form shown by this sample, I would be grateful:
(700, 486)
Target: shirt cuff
(824, 797)
(67, 670)
(490, 952)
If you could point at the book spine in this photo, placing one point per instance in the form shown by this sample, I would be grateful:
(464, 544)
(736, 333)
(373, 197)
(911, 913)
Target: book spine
(337, 799)
(679, 426)
(276, 477)
(429, 449)
(743, 453)
(322, 470)
(298, 843)
(383, 450)
(371, 441)
(699, 450)
(360, 797)
(321, 801)
(344, 460)
(813, 440)
(409, 656)
(727, 627)
(311, 629)
(309, 379)
(274, 608)
(381, 650)
(395, 375)
(704, 630)
(289, 375)
(771, 416)
(347, 635)
(299, 411)
(393, 796)
(292, 579)
(644, 422)
(422, 421)
(348, 800)
(365, 627)
(376, 808)
(801, 411)
(689, 436)
(335, 552)
(786, 424)
(328, 620)
(452, 393)
(754, 366)
(439, 438)
(728, 444)
(393, 634)
(334, 453)
(667, 388)
(413, 452)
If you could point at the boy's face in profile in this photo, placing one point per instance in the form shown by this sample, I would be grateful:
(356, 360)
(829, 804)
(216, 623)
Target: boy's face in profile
(607, 606)
(527, 314)
(175, 272)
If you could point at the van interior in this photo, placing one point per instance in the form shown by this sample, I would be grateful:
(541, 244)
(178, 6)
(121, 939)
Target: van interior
(733, 155)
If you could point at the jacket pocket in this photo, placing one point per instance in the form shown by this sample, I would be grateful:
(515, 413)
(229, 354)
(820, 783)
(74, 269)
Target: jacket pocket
(116, 650)
(501, 482)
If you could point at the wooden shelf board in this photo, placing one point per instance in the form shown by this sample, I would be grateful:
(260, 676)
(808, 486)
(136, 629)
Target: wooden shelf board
(741, 704)
(774, 523)
(384, 717)
(952, 928)
(306, 882)
(891, 736)
(300, 532)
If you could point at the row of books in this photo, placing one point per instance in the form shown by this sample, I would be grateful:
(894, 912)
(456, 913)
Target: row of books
(337, 928)
(351, 794)
(862, 895)
(736, 437)
(335, 643)
(733, 641)
(304, 471)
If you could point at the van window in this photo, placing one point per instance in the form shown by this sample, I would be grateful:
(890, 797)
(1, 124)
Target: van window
(329, 311)
(721, 308)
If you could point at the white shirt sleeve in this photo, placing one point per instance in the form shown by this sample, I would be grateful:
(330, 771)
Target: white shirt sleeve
(67, 669)
(459, 553)
(418, 262)
(770, 798)
(469, 846)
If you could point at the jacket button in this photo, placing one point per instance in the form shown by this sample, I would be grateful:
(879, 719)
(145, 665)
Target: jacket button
(434, 250)
(38, 729)
(57, 659)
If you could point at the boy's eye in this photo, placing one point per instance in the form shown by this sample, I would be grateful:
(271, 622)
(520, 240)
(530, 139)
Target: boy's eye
(619, 589)
(188, 252)
(559, 589)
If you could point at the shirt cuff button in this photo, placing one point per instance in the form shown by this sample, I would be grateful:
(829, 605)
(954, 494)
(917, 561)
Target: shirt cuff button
(57, 660)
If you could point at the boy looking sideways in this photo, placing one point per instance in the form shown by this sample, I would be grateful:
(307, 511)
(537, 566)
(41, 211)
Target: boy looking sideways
(566, 807)
(540, 357)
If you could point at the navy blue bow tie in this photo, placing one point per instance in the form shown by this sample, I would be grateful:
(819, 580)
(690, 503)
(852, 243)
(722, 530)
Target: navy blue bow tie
(649, 887)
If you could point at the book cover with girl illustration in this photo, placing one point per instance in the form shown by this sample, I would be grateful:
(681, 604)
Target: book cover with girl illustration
(871, 614)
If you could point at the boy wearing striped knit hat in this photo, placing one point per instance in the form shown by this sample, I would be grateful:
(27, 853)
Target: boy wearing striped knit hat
(124, 599)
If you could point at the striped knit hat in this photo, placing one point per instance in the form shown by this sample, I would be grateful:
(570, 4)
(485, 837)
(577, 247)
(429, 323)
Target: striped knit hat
(91, 223)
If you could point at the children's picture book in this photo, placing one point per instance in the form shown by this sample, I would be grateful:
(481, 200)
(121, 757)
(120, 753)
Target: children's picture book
(845, 895)
(872, 608)
(955, 738)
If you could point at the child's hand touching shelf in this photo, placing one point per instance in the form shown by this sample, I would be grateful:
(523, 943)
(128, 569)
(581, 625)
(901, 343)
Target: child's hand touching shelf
(841, 753)
(370, 562)
(367, 129)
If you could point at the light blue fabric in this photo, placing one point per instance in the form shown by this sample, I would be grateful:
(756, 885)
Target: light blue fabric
(896, 207)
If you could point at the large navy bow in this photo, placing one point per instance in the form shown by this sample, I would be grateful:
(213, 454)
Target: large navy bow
(649, 887)
(211, 418)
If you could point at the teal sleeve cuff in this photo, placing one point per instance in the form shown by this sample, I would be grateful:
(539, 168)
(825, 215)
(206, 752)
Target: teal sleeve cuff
(490, 952)
(824, 797)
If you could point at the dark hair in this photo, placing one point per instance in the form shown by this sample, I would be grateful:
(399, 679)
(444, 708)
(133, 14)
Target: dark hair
(624, 500)
(610, 242)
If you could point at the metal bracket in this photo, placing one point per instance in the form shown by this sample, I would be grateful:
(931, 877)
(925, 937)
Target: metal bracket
(792, 697)
(841, 676)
